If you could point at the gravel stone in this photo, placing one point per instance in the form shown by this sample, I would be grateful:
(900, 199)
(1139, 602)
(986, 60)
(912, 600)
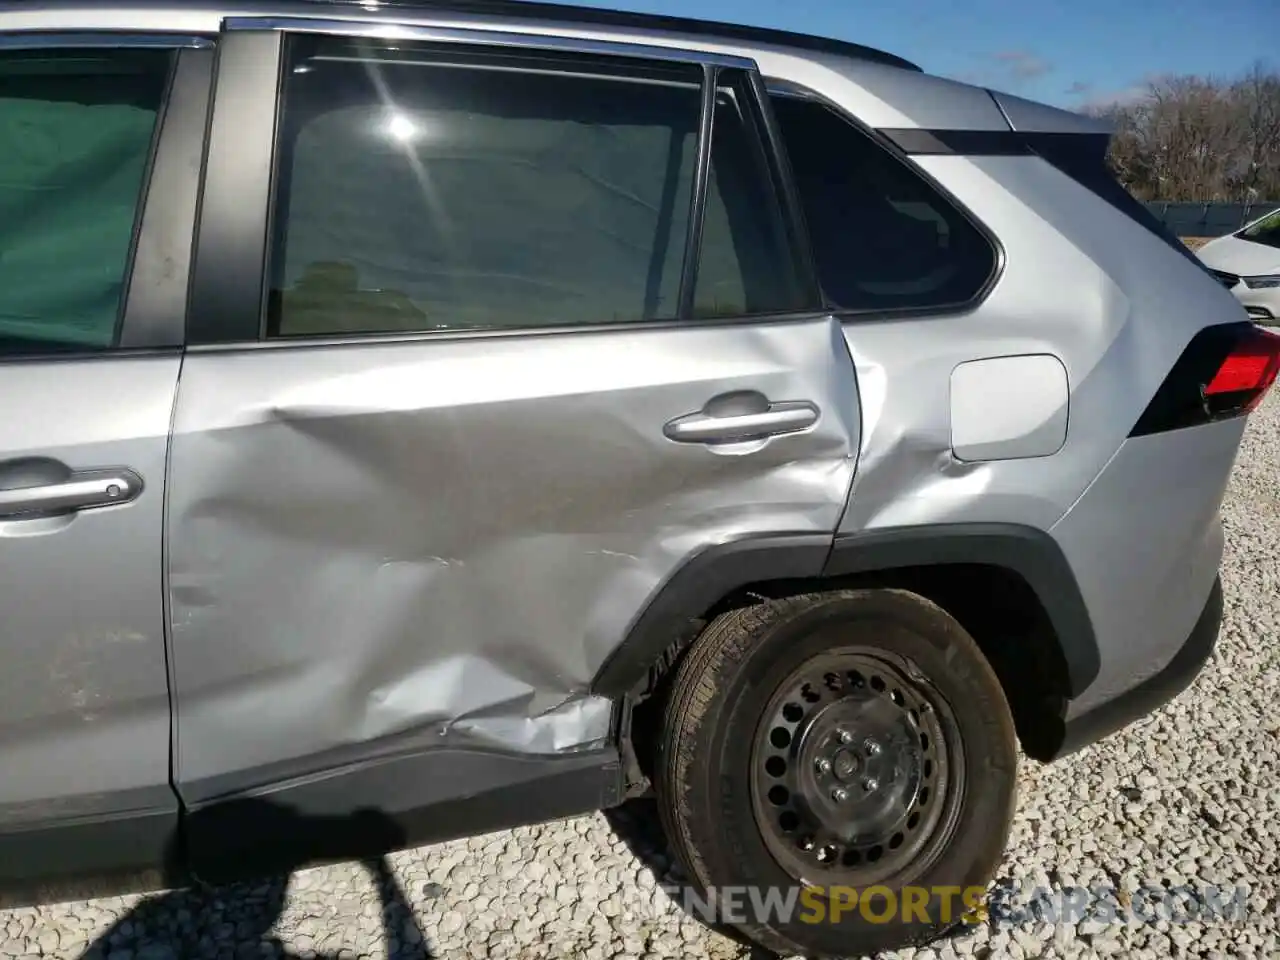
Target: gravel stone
(1185, 797)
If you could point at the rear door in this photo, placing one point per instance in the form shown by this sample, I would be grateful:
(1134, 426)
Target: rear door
(494, 334)
(102, 137)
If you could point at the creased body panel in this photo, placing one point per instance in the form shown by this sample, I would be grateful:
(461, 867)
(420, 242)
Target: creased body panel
(440, 541)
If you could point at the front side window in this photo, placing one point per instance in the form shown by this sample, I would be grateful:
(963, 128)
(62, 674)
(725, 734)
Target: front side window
(76, 128)
(883, 238)
(1266, 231)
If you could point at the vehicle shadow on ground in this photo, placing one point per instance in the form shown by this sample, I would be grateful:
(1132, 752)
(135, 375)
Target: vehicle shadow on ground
(229, 921)
(639, 826)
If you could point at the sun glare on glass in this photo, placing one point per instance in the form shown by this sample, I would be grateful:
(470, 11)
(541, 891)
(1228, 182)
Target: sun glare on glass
(400, 128)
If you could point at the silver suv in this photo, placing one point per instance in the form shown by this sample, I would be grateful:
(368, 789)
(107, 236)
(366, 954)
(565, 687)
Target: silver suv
(438, 417)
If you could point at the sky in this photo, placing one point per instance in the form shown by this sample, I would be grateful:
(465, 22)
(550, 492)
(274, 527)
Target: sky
(1072, 53)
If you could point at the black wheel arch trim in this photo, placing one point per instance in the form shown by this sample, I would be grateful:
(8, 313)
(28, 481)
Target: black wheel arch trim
(1030, 553)
(702, 582)
(715, 573)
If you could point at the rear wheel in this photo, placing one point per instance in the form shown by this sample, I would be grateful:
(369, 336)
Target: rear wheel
(852, 751)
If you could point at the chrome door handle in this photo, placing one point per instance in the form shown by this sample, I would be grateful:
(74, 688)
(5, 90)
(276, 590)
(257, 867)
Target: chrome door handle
(790, 416)
(80, 491)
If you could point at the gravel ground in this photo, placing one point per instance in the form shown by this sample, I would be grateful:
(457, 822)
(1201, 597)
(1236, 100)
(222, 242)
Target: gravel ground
(1188, 798)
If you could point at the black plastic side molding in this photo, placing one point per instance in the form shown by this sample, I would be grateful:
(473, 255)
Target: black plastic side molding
(388, 804)
(70, 859)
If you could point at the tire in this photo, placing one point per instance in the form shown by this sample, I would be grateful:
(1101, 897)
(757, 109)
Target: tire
(875, 656)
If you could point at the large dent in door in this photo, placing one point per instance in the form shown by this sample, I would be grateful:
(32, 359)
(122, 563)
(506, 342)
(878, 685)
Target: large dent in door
(394, 548)
(366, 645)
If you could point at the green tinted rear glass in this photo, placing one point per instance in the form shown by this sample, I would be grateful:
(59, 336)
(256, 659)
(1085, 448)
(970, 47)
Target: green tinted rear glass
(75, 137)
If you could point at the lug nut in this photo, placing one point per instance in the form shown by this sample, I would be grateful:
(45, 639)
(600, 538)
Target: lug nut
(823, 765)
(872, 748)
(870, 784)
(839, 794)
(845, 737)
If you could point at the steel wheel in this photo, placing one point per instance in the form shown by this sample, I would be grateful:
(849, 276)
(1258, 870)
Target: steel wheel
(856, 770)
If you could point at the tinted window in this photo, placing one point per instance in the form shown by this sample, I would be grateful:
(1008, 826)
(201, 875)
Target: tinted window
(746, 265)
(427, 191)
(882, 238)
(75, 138)
(1265, 231)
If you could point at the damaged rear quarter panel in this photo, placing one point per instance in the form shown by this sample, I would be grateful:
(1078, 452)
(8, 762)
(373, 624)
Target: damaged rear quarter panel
(439, 541)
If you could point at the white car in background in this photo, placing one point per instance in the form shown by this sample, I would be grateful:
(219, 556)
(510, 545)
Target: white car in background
(1252, 256)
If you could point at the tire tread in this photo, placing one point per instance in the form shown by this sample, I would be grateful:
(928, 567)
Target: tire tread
(701, 675)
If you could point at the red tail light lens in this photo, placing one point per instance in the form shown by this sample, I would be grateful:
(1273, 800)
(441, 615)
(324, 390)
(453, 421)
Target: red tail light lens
(1250, 368)
(1224, 372)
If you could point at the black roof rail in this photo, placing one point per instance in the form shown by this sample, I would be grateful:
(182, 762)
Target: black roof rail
(536, 9)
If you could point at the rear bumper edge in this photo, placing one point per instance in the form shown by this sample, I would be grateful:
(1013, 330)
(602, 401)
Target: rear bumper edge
(1153, 692)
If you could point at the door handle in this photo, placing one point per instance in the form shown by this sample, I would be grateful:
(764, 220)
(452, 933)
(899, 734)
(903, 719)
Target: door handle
(775, 419)
(80, 491)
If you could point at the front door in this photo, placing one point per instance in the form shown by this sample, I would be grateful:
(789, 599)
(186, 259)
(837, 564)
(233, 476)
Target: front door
(485, 390)
(96, 211)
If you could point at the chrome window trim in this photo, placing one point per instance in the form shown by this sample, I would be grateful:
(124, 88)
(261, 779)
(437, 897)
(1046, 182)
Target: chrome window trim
(418, 31)
(108, 39)
(393, 337)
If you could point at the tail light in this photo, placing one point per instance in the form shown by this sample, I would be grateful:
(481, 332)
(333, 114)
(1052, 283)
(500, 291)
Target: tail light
(1224, 372)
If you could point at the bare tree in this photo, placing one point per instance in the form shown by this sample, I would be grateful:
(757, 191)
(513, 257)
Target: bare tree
(1257, 102)
(1201, 138)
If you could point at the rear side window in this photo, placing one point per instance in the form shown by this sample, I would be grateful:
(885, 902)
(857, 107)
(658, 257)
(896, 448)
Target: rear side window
(76, 128)
(425, 189)
(883, 238)
(1266, 231)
